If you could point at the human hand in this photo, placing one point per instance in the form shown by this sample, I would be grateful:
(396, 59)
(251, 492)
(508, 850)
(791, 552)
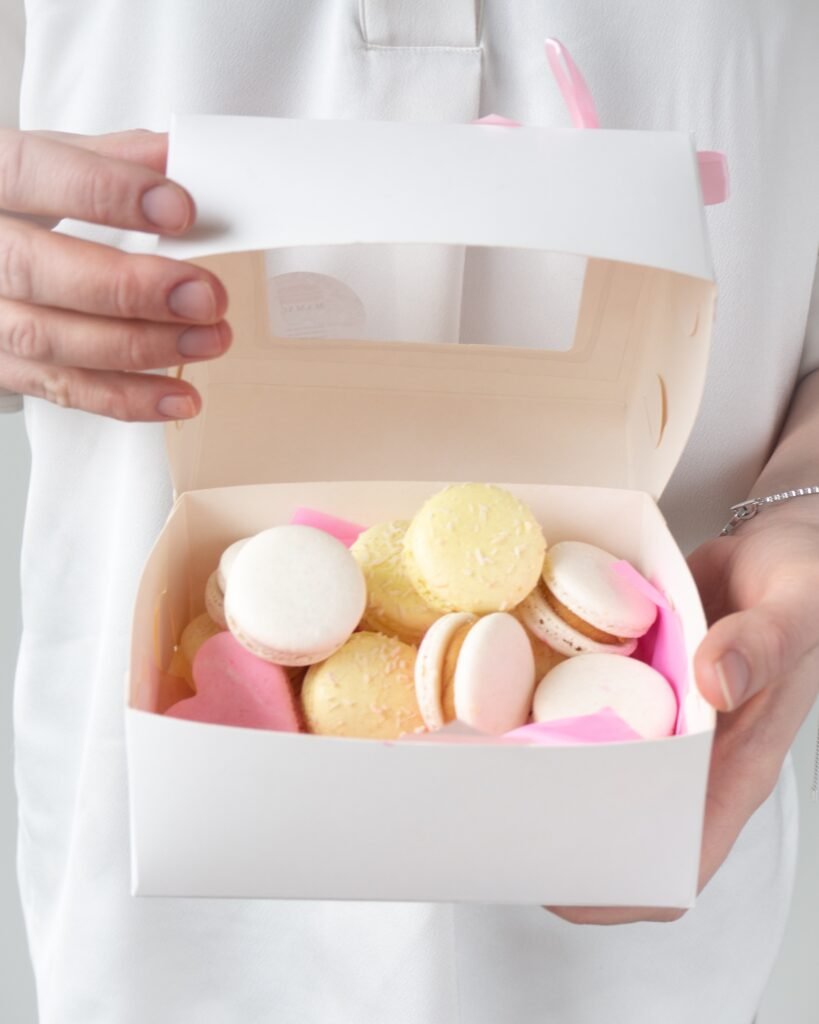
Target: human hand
(758, 666)
(77, 318)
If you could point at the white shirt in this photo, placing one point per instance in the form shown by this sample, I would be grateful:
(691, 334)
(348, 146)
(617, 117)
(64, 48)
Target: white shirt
(742, 75)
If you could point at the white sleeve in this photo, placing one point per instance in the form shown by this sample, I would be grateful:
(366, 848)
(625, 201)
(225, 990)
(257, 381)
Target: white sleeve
(810, 353)
(12, 36)
(11, 65)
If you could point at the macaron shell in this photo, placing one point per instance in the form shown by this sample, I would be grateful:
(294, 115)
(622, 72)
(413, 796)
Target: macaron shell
(196, 632)
(394, 606)
(581, 576)
(365, 690)
(294, 595)
(215, 600)
(235, 688)
(475, 548)
(543, 621)
(641, 696)
(546, 657)
(276, 656)
(430, 664)
(227, 560)
(495, 675)
(175, 684)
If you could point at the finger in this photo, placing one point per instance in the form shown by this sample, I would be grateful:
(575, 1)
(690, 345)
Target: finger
(745, 652)
(63, 338)
(136, 146)
(47, 269)
(43, 177)
(122, 396)
(710, 567)
(616, 915)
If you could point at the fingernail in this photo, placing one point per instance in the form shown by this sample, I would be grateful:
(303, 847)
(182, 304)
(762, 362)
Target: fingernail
(176, 407)
(734, 678)
(193, 300)
(166, 206)
(200, 342)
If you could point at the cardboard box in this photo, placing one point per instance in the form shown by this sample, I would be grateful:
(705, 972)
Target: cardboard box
(366, 430)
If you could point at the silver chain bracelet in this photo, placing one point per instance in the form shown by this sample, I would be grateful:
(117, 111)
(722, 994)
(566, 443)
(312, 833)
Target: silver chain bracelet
(748, 509)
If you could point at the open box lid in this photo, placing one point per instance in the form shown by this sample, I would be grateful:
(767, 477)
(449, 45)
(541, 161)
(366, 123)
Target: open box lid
(616, 410)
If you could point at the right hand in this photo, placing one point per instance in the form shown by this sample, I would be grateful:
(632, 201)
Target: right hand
(78, 319)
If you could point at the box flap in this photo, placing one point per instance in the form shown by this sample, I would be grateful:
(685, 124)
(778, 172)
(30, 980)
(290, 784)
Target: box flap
(264, 183)
(615, 410)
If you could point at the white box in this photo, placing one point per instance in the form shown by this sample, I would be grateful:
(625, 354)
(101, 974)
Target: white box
(220, 811)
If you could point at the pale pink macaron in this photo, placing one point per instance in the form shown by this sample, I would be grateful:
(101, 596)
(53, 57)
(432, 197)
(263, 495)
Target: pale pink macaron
(640, 695)
(233, 687)
(480, 671)
(583, 606)
(294, 595)
(217, 581)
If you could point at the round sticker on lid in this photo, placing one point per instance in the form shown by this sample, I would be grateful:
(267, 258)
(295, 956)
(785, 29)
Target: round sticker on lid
(307, 305)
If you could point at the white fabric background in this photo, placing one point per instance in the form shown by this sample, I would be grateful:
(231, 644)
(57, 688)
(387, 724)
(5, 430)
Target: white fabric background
(792, 995)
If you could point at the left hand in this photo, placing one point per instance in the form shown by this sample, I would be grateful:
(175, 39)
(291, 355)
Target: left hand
(758, 666)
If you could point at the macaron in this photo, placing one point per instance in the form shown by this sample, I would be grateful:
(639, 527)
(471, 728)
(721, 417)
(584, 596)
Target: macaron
(294, 595)
(175, 683)
(215, 601)
(233, 687)
(546, 657)
(394, 606)
(196, 632)
(217, 581)
(474, 548)
(640, 695)
(180, 667)
(226, 561)
(364, 690)
(480, 671)
(582, 606)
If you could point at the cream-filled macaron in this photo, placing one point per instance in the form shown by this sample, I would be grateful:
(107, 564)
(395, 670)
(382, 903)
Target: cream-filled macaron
(640, 695)
(582, 606)
(215, 601)
(478, 671)
(546, 657)
(217, 581)
(294, 595)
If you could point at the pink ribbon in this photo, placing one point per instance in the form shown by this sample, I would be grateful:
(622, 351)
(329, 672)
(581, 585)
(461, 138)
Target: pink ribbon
(713, 166)
(342, 530)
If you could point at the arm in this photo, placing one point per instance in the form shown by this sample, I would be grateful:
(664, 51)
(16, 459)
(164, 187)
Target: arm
(759, 663)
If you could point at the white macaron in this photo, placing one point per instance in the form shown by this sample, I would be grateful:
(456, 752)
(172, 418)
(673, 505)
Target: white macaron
(215, 586)
(227, 560)
(480, 671)
(583, 606)
(294, 595)
(640, 695)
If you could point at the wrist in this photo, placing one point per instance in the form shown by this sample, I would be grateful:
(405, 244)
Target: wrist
(800, 512)
(794, 505)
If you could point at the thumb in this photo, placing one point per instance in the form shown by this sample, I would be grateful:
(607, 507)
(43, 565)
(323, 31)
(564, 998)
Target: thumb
(749, 650)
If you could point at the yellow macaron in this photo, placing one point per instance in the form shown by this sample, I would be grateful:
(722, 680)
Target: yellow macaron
(194, 636)
(196, 632)
(394, 606)
(365, 690)
(474, 548)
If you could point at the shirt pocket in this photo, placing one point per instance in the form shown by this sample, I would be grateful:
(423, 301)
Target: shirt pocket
(438, 24)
